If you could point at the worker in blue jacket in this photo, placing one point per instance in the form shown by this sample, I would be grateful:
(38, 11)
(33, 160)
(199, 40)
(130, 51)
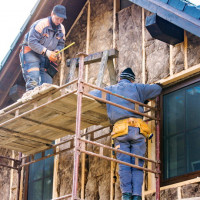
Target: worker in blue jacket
(129, 131)
(44, 39)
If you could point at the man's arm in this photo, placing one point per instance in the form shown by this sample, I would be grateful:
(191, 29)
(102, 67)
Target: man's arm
(151, 91)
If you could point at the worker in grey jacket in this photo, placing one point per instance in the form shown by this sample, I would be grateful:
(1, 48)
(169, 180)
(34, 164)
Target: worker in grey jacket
(130, 140)
(44, 39)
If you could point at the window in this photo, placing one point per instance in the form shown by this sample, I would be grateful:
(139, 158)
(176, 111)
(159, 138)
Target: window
(181, 131)
(40, 181)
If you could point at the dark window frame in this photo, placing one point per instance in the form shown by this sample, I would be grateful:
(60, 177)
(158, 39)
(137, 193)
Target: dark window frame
(167, 90)
(27, 172)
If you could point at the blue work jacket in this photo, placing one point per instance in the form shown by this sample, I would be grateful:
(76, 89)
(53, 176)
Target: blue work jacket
(135, 91)
(42, 36)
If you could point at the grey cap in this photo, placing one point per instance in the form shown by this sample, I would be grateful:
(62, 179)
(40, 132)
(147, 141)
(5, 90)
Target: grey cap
(60, 11)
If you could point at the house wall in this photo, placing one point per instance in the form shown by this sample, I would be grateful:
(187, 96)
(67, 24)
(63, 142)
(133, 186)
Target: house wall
(150, 59)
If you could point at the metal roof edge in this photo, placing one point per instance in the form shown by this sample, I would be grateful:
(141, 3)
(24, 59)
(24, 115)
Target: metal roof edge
(171, 14)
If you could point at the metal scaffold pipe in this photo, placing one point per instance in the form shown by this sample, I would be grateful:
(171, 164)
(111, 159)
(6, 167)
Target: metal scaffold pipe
(78, 126)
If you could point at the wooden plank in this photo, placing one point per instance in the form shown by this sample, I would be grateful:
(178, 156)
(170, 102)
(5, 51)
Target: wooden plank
(96, 57)
(87, 39)
(11, 178)
(191, 181)
(171, 14)
(181, 75)
(102, 69)
(31, 132)
(112, 72)
(143, 49)
(185, 45)
(171, 64)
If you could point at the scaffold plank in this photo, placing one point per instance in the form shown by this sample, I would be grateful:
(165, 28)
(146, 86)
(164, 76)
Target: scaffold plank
(32, 125)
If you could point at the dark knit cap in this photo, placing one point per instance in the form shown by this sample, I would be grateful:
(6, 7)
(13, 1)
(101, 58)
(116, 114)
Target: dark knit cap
(60, 11)
(127, 74)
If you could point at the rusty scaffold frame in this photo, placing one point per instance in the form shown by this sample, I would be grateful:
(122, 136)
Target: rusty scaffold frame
(77, 142)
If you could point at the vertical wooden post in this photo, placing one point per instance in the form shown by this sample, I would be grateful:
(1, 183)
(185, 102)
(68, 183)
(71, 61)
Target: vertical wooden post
(62, 79)
(87, 39)
(185, 50)
(19, 177)
(143, 49)
(86, 80)
(55, 171)
(158, 148)
(112, 72)
(171, 64)
(103, 66)
(11, 176)
(151, 151)
(113, 77)
(143, 72)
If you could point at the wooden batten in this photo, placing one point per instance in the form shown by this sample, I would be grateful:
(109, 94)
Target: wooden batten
(181, 75)
(143, 49)
(11, 178)
(171, 64)
(151, 151)
(185, 50)
(176, 185)
(87, 38)
(55, 171)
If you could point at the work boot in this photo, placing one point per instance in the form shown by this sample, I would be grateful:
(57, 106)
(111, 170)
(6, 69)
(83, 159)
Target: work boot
(135, 197)
(126, 196)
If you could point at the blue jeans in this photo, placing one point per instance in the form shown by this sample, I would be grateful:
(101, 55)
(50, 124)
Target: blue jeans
(34, 70)
(131, 179)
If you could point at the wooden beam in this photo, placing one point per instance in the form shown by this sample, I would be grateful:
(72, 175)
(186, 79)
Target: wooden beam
(55, 171)
(181, 75)
(12, 178)
(195, 180)
(171, 14)
(171, 64)
(185, 45)
(96, 57)
(143, 49)
(102, 69)
(112, 72)
(87, 39)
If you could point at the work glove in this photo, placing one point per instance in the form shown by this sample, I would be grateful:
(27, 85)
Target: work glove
(51, 55)
(58, 55)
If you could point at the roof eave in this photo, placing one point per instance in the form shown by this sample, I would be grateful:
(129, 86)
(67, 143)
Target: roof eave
(171, 14)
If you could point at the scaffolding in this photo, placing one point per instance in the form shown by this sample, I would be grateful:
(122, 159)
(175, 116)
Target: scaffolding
(83, 101)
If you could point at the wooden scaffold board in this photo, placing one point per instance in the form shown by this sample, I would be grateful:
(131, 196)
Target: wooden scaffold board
(32, 125)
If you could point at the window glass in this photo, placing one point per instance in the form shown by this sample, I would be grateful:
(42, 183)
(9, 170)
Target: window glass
(41, 178)
(181, 131)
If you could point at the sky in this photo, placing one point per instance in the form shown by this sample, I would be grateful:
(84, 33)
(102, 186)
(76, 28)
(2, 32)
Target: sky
(13, 14)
